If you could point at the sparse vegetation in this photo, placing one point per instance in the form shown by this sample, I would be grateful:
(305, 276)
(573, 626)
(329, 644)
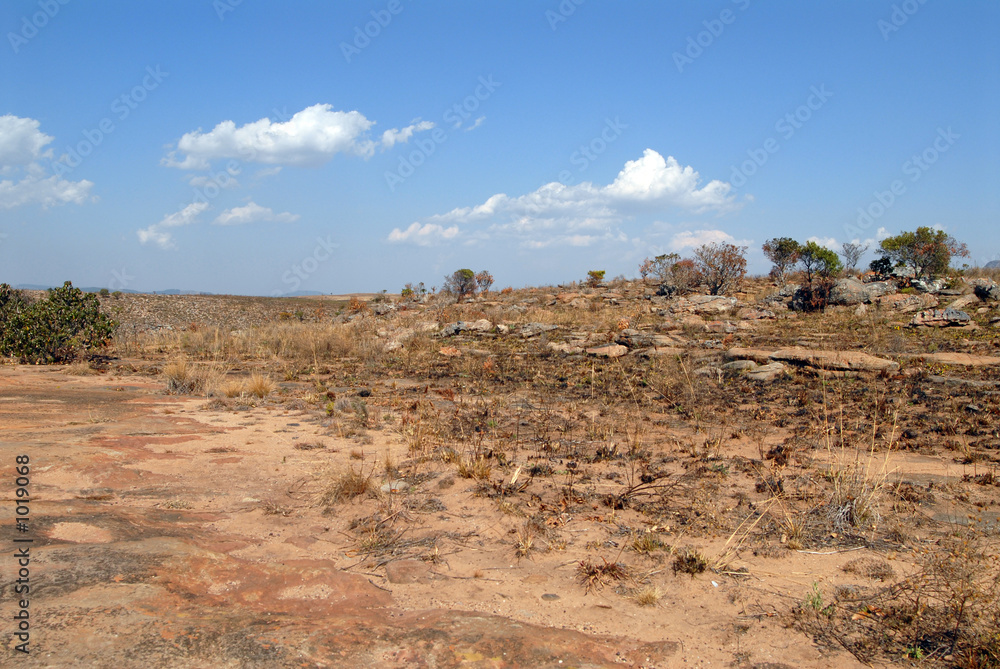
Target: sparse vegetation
(66, 324)
(722, 266)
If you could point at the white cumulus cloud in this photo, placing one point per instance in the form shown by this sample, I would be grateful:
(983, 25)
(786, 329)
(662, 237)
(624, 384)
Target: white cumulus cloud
(310, 138)
(557, 212)
(692, 239)
(22, 146)
(160, 236)
(253, 213)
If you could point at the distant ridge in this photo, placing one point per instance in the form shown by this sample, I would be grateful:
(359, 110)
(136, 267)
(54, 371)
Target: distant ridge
(95, 289)
(993, 264)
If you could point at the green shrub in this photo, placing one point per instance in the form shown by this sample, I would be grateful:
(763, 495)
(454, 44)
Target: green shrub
(60, 327)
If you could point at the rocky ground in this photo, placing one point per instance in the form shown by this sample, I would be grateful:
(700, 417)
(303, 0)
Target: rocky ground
(546, 477)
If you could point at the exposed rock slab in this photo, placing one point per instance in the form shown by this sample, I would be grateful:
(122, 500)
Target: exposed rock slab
(834, 360)
(959, 359)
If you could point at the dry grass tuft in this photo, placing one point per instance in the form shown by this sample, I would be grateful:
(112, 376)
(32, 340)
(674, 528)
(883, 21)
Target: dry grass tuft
(594, 576)
(260, 385)
(690, 562)
(349, 485)
(648, 595)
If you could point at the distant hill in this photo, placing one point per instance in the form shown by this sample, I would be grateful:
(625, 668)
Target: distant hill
(95, 289)
(993, 264)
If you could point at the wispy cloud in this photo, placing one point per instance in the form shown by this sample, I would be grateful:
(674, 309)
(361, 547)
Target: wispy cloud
(253, 213)
(395, 136)
(159, 234)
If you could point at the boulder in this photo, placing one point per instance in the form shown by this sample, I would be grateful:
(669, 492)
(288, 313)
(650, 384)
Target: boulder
(986, 290)
(765, 373)
(927, 286)
(940, 318)
(638, 339)
(482, 325)
(964, 301)
(851, 291)
(608, 351)
(848, 291)
(907, 302)
(563, 347)
(708, 304)
(737, 367)
(534, 329)
(750, 314)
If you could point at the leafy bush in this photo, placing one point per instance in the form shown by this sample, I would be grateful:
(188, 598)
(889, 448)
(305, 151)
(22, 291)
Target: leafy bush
(595, 277)
(881, 267)
(674, 276)
(722, 266)
(66, 324)
(484, 280)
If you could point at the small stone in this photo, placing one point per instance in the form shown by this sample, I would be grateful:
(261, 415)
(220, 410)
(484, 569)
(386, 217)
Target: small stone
(550, 597)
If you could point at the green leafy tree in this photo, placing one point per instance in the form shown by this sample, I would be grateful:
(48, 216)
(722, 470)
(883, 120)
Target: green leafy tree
(595, 277)
(784, 253)
(461, 284)
(721, 266)
(64, 325)
(927, 251)
(819, 262)
(820, 266)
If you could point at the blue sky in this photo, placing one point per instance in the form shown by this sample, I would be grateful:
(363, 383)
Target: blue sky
(257, 148)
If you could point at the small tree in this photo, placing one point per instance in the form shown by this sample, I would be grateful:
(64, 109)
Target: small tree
(927, 251)
(595, 277)
(484, 280)
(784, 253)
(462, 284)
(851, 252)
(820, 265)
(819, 262)
(722, 266)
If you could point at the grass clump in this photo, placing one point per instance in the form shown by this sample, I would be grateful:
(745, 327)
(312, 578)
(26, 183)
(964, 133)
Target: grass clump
(690, 562)
(594, 576)
(347, 486)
